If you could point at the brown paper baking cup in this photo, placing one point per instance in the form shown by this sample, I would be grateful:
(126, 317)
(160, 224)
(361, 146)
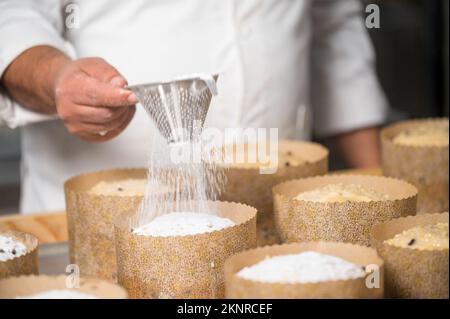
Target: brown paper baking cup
(424, 166)
(90, 220)
(26, 264)
(237, 287)
(24, 286)
(247, 185)
(412, 273)
(183, 266)
(298, 220)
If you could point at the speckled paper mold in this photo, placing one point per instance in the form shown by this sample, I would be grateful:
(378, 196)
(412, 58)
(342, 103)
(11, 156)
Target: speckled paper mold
(412, 273)
(424, 166)
(90, 220)
(247, 185)
(237, 287)
(182, 266)
(299, 220)
(26, 264)
(24, 286)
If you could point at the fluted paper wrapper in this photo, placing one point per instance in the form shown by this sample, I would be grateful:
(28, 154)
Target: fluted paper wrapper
(249, 186)
(424, 166)
(90, 220)
(26, 264)
(237, 287)
(412, 273)
(24, 286)
(183, 266)
(298, 220)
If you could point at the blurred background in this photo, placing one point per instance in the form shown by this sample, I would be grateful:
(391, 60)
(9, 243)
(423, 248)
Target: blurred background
(412, 64)
(412, 59)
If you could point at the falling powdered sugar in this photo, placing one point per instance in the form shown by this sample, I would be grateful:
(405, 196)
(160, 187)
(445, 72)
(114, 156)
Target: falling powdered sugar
(182, 224)
(60, 294)
(180, 158)
(305, 267)
(11, 248)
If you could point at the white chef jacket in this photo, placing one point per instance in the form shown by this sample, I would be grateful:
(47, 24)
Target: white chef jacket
(290, 64)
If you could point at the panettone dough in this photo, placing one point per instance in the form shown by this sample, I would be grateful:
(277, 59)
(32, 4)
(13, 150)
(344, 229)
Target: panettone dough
(424, 135)
(342, 193)
(126, 187)
(433, 236)
(285, 159)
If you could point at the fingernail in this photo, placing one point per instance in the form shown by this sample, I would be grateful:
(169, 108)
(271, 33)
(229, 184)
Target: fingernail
(132, 98)
(118, 81)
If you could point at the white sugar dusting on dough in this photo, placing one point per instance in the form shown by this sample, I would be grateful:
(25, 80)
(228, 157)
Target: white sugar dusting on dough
(11, 248)
(305, 267)
(182, 224)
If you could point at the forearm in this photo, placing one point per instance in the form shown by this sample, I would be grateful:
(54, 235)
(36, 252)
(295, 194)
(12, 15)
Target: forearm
(361, 148)
(30, 78)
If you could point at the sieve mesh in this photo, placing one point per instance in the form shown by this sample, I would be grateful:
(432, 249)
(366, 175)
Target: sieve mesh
(178, 107)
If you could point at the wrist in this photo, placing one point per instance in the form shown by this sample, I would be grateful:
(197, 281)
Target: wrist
(56, 62)
(30, 78)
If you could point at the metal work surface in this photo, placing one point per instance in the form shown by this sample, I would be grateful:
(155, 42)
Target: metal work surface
(53, 258)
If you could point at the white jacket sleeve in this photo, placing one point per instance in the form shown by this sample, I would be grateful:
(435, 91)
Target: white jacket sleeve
(346, 94)
(25, 24)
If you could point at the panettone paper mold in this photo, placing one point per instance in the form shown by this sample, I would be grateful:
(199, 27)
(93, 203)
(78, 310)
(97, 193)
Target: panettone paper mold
(26, 264)
(363, 287)
(427, 167)
(24, 286)
(182, 266)
(247, 185)
(412, 273)
(300, 220)
(90, 220)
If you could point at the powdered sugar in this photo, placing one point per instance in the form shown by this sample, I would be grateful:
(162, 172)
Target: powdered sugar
(60, 294)
(182, 224)
(11, 248)
(305, 267)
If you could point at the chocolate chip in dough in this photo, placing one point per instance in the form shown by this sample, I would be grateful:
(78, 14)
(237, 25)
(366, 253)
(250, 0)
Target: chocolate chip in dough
(411, 242)
(287, 164)
(119, 189)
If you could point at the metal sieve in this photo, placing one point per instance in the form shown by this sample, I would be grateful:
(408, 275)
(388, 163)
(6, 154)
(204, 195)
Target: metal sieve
(178, 107)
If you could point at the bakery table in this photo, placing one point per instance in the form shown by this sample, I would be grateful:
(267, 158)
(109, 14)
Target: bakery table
(53, 258)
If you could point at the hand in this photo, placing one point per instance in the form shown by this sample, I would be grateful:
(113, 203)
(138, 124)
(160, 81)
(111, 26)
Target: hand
(90, 99)
(360, 148)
